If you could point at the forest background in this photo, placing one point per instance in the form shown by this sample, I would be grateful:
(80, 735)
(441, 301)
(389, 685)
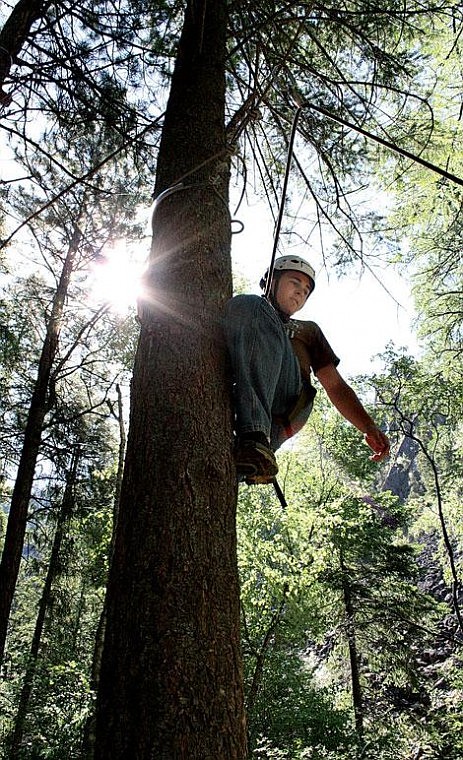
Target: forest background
(149, 607)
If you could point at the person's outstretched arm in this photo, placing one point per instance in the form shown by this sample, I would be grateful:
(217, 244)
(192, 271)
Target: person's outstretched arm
(346, 401)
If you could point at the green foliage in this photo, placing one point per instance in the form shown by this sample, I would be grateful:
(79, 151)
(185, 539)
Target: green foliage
(281, 606)
(427, 214)
(295, 567)
(427, 407)
(296, 719)
(99, 81)
(61, 698)
(444, 722)
(61, 704)
(341, 444)
(362, 551)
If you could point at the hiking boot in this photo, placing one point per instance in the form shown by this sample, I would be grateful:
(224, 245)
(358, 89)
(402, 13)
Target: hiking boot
(255, 461)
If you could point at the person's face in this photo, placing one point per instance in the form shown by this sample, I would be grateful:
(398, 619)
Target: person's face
(292, 290)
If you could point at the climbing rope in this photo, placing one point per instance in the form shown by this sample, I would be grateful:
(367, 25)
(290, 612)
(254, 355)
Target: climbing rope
(276, 485)
(179, 185)
(283, 200)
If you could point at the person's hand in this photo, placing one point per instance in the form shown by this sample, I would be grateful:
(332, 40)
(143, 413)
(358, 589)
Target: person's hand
(378, 443)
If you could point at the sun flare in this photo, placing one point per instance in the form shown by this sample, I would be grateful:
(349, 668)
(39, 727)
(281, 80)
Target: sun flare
(116, 278)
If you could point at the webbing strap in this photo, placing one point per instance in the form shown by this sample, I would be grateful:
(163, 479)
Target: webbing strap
(280, 494)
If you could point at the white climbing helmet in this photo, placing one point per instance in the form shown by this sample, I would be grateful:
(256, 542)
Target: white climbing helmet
(291, 262)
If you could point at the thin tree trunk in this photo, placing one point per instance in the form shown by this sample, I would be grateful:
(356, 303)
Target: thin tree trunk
(456, 582)
(357, 696)
(171, 680)
(63, 517)
(263, 652)
(39, 406)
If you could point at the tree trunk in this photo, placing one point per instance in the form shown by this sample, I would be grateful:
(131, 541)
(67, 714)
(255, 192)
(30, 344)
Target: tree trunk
(171, 680)
(357, 698)
(88, 742)
(63, 518)
(17, 518)
(14, 34)
(262, 653)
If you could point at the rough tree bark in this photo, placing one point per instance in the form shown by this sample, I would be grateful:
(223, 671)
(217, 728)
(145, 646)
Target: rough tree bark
(88, 744)
(171, 682)
(39, 406)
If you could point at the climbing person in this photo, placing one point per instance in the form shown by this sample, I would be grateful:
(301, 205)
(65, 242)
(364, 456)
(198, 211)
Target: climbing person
(272, 357)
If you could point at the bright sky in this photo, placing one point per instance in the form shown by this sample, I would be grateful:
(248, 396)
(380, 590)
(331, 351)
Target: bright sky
(357, 315)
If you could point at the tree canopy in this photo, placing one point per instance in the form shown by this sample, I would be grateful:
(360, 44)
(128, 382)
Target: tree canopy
(124, 629)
